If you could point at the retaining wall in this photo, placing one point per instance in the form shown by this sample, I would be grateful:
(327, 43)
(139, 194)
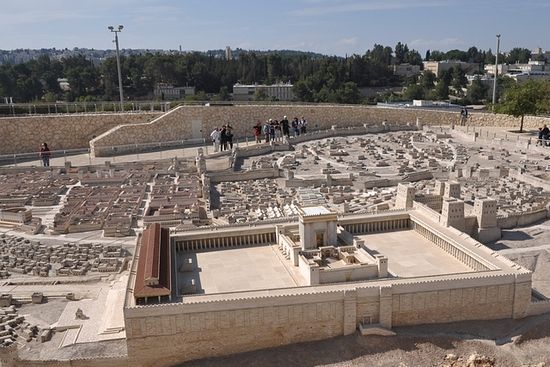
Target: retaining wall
(178, 123)
(26, 134)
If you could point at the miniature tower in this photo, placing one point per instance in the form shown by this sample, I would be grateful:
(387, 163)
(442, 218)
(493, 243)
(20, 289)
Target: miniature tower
(405, 196)
(439, 188)
(317, 227)
(485, 210)
(452, 214)
(452, 190)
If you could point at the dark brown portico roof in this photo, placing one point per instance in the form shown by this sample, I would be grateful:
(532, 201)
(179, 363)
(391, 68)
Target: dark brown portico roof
(153, 271)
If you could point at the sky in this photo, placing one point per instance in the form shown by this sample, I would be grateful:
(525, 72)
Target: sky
(333, 27)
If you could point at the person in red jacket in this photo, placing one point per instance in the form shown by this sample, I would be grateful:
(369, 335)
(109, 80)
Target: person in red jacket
(45, 155)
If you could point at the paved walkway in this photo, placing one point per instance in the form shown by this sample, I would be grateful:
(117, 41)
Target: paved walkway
(85, 159)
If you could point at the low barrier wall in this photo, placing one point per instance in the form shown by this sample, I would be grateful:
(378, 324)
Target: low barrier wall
(184, 122)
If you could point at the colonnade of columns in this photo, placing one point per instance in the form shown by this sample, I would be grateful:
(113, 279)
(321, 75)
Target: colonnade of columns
(386, 225)
(225, 242)
(452, 250)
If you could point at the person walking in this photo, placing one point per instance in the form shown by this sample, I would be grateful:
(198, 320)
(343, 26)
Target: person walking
(296, 127)
(303, 125)
(463, 116)
(215, 136)
(285, 126)
(229, 137)
(45, 154)
(272, 128)
(258, 132)
(223, 138)
(266, 129)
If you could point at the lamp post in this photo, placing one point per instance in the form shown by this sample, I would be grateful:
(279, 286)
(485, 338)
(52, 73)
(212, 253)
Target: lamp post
(496, 73)
(116, 31)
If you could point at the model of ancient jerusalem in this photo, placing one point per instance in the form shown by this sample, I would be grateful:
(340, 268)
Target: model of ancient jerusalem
(163, 207)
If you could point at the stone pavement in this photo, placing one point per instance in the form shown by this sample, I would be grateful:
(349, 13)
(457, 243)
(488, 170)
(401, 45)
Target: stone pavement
(104, 320)
(411, 255)
(242, 269)
(84, 159)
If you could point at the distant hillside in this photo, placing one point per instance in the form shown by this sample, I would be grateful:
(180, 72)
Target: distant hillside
(285, 53)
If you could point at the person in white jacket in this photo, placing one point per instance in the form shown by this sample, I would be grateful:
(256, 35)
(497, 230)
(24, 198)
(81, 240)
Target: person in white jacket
(215, 136)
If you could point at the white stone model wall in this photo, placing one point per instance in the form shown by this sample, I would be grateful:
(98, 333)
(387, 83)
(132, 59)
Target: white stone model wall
(348, 274)
(26, 134)
(164, 335)
(522, 219)
(177, 124)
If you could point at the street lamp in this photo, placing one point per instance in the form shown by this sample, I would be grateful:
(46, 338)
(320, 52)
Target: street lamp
(116, 31)
(496, 73)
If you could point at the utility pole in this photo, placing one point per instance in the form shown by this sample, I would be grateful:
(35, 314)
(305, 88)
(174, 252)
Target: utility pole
(116, 31)
(496, 74)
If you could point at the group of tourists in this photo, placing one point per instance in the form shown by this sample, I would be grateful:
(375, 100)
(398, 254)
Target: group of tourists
(222, 138)
(274, 130)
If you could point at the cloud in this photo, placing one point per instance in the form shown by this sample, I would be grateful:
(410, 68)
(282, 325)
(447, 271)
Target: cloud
(347, 6)
(440, 43)
(348, 41)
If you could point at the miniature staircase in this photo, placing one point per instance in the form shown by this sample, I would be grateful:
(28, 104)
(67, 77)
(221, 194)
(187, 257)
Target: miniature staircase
(375, 329)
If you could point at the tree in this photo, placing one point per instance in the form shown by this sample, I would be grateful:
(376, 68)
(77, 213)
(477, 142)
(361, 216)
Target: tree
(260, 94)
(441, 91)
(477, 91)
(489, 58)
(518, 55)
(456, 55)
(302, 91)
(380, 54)
(413, 57)
(428, 79)
(459, 79)
(529, 98)
(224, 94)
(414, 91)
(349, 93)
(401, 51)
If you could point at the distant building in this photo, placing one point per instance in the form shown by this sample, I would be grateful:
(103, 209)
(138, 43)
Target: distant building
(168, 91)
(522, 77)
(228, 53)
(406, 70)
(439, 66)
(530, 67)
(64, 84)
(539, 54)
(277, 92)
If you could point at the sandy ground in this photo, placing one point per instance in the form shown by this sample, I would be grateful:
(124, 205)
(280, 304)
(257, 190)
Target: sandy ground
(530, 247)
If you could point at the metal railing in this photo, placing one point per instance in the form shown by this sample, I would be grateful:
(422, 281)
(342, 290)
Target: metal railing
(57, 108)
